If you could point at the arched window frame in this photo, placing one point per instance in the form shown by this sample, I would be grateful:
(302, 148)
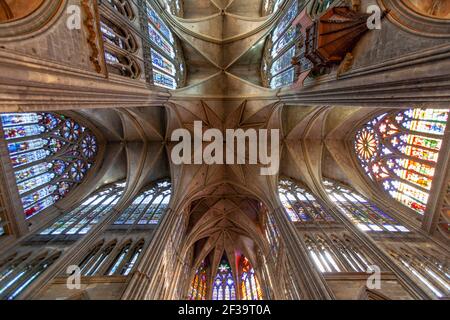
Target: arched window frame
(125, 258)
(124, 8)
(96, 263)
(336, 253)
(377, 144)
(143, 210)
(119, 46)
(23, 271)
(224, 286)
(360, 211)
(300, 204)
(50, 153)
(88, 213)
(199, 284)
(133, 258)
(249, 283)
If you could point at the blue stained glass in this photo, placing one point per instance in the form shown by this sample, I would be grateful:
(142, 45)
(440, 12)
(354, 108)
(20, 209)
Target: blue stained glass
(287, 37)
(162, 63)
(41, 181)
(16, 147)
(38, 195)
(35, 182)
(159, 23)
(162, 43)
(71, 130)
(32, 171)
(14, 119)
(283, 79)
(23, 131)
(163, 80)
(148, 207)
(285, 21)
(30, 157)
(89, 146)
(283, 62)
(224, 287)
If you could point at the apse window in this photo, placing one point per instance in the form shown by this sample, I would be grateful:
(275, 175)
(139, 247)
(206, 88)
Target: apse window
(50, 155)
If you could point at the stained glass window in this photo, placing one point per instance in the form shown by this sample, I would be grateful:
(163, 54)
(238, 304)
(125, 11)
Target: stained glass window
(148, 207)
(280, 49)
(87, 214)
(364, 214)
(199, 284)
(224, 285)
(19, 273)
(399, 151)
(119, 46)
(250, 288)
(301, 205)
(50, 154)
(165, 54)
(335, 254)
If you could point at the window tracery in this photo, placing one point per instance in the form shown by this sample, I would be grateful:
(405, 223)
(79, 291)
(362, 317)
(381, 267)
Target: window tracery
(123, 7)
(364, 214)
(148, 207)
(18, 273)
(336, 253)
(199, 283)
(224, 284)
(399, 151)
(250, 288)
(50, 154)
(301, 205)
(87, 214)
(119, 46)
(432, 272)
(112, 259)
